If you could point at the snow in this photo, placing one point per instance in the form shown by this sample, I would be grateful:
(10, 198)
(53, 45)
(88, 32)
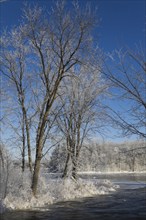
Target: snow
(111, 172)
(19, 195)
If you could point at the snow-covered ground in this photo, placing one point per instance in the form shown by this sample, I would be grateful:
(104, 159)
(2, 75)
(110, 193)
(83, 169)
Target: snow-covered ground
(19, 195)
(113, 172)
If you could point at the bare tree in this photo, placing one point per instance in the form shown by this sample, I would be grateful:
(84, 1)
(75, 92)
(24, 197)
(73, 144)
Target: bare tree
(55, 42)
(13, 66)
(82, 112)
(128, 76)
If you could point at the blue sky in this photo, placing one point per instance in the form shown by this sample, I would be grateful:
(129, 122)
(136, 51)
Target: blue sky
(122, 21)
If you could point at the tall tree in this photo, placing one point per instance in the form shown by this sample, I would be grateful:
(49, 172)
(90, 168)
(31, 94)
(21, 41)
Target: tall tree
(56, 42)
(13, 66)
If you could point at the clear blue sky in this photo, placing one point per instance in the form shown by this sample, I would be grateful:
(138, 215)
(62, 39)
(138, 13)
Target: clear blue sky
(122, 21)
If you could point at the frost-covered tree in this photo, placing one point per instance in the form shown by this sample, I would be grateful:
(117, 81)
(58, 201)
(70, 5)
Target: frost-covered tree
(57, 160)
(114, 157)
(81, 112)
(126, 71)
(105, 157)
(42, 50)
(133, 156)
(14, 67)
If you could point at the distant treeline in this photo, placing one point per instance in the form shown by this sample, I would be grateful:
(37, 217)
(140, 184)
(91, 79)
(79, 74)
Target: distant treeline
(103, 157)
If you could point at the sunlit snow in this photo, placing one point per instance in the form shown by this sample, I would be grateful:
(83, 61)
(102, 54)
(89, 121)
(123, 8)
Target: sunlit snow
(19, 195)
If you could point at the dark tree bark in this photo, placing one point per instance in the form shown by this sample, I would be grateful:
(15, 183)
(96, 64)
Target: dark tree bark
(65, 172)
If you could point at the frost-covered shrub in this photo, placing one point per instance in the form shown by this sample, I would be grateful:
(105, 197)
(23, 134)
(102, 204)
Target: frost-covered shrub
(50, 190)
(57, 160)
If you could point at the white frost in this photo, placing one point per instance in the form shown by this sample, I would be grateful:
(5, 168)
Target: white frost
(19, 194)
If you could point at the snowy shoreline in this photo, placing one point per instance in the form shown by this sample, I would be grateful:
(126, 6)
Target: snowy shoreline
(53, 191)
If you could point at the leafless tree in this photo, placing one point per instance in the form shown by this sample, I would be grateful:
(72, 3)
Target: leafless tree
(82, 111)
(51, 44)
(13, 67)
(126, 70)
(99, 156)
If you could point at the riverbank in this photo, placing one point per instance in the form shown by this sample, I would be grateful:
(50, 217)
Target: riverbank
(122, 204)
(50, 191)
(53, 189)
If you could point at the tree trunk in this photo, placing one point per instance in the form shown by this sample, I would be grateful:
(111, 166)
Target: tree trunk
(64, 175)
(25, 118)
(74, 166)
(23, 159)
(36, 169)
(28, 142)
(133, 164)
(29, 157)
(74, 172)
(23, 145)
(7, 178)
(39, 147)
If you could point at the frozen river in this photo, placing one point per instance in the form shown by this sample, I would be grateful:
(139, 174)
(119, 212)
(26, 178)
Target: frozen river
(128, 202)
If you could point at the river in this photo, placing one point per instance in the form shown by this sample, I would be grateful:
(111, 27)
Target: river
(128, 202)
